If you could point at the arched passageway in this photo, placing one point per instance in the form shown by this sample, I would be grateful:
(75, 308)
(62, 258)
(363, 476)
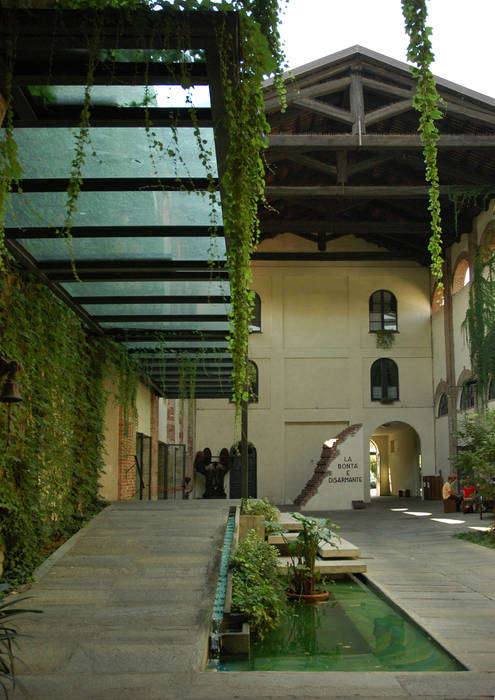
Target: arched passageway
(398, 459)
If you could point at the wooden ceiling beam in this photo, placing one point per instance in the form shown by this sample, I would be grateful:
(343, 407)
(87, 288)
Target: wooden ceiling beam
(392, 110)
(368, 164)
(341, 256)
(468, 113)
(373, 191)
(314, 164)
(325, 109)
(324, 142)
(307, 226)
(272, 104)
(417, 162)
(387, 89)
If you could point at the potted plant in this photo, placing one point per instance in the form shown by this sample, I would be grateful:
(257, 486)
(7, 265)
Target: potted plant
(256, 514)
(302, 575)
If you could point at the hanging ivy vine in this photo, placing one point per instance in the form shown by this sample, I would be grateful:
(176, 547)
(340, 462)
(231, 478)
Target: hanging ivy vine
(479, 324)
(49, 473)
(243, 182)
(426, 102)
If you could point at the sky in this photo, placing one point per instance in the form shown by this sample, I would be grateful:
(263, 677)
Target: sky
(463, 34)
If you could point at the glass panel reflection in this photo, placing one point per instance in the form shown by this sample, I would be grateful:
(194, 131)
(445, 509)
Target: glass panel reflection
(201, 288)
(120, 152)
(126, 248)
(116, 209)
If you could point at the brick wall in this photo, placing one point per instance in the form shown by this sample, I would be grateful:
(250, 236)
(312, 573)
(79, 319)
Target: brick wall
(127, 450)
(154, 445)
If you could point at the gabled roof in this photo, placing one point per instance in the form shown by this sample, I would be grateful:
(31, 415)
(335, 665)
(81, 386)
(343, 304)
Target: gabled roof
(346, 159)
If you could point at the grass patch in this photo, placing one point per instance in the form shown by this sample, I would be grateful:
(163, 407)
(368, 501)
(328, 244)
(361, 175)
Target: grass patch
(485, 539)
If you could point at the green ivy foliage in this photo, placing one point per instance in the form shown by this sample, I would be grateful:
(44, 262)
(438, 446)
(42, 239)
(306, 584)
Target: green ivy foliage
(242, 183)
(258, 590)
(49, 472)
(479, 324)
(426, 101)
(475, 463)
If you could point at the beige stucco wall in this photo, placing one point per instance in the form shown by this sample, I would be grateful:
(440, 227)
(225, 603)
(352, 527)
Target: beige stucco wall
(143, 406)
(314, 357)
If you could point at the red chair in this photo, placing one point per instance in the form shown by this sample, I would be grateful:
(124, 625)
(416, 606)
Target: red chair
(470, 502)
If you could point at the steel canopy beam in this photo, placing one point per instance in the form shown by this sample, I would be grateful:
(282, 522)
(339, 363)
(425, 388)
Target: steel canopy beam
(120, 184)
(117, 232)
(150, 299)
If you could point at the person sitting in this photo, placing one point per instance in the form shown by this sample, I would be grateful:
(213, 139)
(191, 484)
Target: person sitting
(469, 500)
(449, 492)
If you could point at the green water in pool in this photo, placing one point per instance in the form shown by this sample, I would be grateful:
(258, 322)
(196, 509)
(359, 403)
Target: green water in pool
(356, 630)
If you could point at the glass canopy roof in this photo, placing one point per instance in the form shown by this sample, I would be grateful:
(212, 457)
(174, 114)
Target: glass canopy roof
(146, 241)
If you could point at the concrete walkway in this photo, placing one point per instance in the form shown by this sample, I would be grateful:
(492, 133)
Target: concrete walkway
(127, 603)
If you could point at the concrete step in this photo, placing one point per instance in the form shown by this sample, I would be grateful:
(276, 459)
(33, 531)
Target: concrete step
(288, 522)
(338, 548)
(328, 567)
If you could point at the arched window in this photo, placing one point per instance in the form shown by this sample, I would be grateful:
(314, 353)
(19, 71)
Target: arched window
(438, 300)
(443, 406)
(383, 311)
(461, 275)
(468, 395)
(255, 325)
(384, 380)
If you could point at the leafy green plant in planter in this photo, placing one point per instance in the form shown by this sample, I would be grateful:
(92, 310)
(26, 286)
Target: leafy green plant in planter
(258, 506)
(385, 339)
(303, 579)
(8, 635)
(258, 589)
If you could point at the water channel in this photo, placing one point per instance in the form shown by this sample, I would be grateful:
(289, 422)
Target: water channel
(356, 630)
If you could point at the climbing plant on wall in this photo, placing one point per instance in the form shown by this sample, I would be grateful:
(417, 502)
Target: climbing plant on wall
(479, 324)
(49, 471)
(426, 101)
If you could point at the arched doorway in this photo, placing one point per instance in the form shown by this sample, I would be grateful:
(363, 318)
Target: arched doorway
(235, 472)
(399, 454)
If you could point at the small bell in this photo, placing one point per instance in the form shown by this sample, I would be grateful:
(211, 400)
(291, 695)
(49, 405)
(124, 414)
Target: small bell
(10, 392)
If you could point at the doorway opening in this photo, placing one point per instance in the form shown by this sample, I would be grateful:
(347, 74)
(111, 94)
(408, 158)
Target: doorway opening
(397, 447)
(235, 472)
(171, 471)
(374, 469)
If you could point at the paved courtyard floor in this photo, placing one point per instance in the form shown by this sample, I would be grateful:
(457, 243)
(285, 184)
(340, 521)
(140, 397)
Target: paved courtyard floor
(127, 601)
